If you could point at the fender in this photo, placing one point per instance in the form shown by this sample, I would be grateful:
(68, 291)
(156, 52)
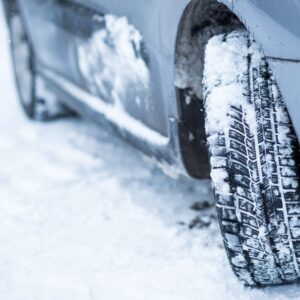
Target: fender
(177, 44)
(275, 26)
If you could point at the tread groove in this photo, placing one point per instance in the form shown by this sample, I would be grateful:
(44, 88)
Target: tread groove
(257, 191)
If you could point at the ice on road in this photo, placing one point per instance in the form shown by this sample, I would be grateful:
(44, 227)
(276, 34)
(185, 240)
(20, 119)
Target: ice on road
(84, 216)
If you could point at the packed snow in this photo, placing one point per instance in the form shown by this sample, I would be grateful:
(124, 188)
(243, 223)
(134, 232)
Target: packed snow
(223, 65)
(84, 216)
(123, 67)
(113, 63)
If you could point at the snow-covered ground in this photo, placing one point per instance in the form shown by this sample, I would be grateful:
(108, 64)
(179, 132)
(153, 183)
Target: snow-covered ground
(84, 216)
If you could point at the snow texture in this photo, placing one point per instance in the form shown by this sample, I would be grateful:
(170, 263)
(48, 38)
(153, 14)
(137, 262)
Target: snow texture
(239, 112)
(111, 61)
(82, 216)
(228, 69)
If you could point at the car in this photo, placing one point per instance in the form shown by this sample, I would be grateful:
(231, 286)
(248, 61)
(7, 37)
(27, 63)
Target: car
(208, 88)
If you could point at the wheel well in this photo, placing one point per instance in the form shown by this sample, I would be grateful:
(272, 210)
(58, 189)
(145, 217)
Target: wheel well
(201, 20)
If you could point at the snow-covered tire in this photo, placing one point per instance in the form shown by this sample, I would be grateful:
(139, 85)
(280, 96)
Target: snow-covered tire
(38, 101)
(254, 162)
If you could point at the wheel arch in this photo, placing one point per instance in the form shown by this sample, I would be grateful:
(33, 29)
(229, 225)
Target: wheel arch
(203, 18)
(275, 27)
(230, 15)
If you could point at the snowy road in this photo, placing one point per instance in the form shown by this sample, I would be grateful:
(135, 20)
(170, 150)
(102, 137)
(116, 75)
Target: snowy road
(84, 216)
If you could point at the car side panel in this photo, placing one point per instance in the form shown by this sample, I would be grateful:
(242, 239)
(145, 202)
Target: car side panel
(59, 28)
(274, 23)
(143, 15)
(158, 21)
(52, 44)
(287, 74)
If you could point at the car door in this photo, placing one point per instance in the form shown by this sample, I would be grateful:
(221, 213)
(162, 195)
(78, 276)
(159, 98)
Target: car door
(110, 49)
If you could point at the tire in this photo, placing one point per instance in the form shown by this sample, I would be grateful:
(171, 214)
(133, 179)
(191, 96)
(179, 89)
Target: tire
(254, 156)
(37, 99)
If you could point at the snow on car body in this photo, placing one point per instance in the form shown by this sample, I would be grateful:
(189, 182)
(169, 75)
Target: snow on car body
(137, 66)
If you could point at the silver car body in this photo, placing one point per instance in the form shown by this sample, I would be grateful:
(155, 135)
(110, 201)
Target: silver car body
(154, 114)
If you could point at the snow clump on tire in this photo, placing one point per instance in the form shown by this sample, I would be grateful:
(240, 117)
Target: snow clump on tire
(254, 162)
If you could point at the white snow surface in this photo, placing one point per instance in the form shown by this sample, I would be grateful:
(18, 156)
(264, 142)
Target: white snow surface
(83, 216)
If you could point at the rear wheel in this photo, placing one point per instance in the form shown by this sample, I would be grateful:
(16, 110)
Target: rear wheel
(254, 162)
(37, 99)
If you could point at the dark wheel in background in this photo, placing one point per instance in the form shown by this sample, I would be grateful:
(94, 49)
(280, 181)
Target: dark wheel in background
(37, 99)
(254, 162)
